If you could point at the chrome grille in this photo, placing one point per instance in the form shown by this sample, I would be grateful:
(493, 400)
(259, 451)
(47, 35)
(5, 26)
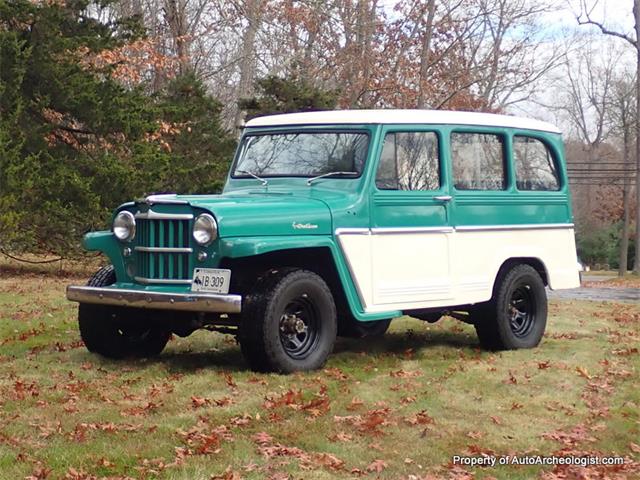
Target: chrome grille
(163, 250)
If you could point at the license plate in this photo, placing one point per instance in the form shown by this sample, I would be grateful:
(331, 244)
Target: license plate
(213, 280)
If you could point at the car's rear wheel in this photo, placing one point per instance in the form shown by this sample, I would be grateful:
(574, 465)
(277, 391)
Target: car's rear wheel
(118, 332)
(516, 316)
(288, 322)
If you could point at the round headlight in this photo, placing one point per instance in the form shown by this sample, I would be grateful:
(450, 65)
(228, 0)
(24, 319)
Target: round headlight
(205, 229)
(124, 226)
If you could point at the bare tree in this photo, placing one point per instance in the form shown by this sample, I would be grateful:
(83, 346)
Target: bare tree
(624, 116)
(586, 18)
(583, 102)
(252, 10)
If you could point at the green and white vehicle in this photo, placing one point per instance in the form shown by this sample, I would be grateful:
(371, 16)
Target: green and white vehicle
(336, 222)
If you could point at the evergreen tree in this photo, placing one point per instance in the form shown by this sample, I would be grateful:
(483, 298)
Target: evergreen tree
(284, 95)
(74, 141)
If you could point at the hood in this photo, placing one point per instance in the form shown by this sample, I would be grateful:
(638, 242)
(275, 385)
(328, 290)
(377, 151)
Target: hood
(258, 214)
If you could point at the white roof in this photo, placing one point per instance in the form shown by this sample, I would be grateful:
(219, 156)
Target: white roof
(429, 117)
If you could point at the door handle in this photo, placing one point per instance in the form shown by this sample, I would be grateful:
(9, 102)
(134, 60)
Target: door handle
(443, 198)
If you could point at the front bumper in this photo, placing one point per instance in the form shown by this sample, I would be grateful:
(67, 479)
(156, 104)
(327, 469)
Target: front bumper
(186, 302)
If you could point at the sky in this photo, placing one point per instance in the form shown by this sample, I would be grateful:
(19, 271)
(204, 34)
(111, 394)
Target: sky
(615, 14)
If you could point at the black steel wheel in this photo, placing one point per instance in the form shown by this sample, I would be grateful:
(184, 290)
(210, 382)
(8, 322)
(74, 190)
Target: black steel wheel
(516, 316)
(117, 332)
(521, 311)
(299, 327)
(288, 322)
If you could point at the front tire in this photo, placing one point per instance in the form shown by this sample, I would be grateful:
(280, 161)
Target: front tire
(516, 316)
(288, 322)
(118, 332)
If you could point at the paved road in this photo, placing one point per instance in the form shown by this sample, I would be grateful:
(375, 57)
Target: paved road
(594, 293)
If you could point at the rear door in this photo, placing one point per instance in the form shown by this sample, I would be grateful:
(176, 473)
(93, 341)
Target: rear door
(411, 232)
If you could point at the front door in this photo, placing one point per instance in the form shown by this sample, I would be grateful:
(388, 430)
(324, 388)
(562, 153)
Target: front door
(411, 233)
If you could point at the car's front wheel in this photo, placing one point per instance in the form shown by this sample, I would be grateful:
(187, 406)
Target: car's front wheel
(516, 316)
(288, 322)
(117, 332)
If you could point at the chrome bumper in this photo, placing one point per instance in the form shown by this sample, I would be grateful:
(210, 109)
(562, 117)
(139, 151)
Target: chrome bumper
(186, 302)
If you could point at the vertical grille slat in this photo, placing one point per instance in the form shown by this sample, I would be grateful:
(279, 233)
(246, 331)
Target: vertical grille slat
(163, 266)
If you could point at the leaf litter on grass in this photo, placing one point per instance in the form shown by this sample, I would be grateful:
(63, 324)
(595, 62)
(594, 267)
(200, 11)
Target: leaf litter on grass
(396, 407)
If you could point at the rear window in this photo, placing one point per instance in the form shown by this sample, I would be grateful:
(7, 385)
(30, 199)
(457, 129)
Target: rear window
(535, 165)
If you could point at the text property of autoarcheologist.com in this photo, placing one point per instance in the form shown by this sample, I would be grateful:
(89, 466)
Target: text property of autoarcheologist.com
(492, 461)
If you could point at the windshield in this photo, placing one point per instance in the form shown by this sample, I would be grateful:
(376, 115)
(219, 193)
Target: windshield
(301, 154)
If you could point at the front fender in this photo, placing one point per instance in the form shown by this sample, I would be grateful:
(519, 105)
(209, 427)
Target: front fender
(107, 243)
(249, 246)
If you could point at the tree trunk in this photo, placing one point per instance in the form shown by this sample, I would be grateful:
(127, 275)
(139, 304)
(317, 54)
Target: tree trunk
(176, 16)
(636, 14)
(248, 60)
(624, 238)
(424, 55)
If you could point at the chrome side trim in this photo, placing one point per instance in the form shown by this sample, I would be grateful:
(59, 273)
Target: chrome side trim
(189, 302)
(462, 228)
(387, 230)
(532, 226)
(164, 249)
(151, 215)
(352, 231)
(164, 281)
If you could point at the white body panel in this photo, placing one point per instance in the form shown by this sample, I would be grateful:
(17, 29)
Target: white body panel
(399, 117)
(410, 267)
(396, 270)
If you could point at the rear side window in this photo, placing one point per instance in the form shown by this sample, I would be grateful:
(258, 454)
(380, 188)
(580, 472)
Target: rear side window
(409, 161)
(478, 161)
(535, 168)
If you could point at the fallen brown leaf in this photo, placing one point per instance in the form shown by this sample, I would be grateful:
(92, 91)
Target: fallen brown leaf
(377, 466)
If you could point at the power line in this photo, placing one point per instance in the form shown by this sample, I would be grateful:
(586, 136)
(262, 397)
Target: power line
(614, 170)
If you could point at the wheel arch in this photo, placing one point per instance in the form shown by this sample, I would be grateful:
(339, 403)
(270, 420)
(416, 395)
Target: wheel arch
(323, 259)
(534, 262)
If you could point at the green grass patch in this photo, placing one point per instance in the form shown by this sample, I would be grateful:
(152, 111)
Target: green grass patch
(400, 406)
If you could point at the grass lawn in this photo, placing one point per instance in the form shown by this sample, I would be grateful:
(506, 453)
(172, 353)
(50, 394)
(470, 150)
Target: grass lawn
(397, 407)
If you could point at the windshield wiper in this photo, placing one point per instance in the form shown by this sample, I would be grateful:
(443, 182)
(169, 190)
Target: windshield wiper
(330, 174)
(251, 174)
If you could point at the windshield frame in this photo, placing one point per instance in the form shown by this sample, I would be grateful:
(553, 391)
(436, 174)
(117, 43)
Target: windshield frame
(301, 130)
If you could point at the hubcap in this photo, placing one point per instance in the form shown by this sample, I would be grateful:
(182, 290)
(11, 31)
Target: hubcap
(299, 327)
(521, 311)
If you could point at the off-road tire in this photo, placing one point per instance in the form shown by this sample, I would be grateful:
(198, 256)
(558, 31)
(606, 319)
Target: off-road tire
(516, 316)
(118, 332)
(282, 295)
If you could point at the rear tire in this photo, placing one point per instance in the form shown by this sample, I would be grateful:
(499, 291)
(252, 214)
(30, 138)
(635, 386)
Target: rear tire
(288, 322)
(118, 332)
(516, 316)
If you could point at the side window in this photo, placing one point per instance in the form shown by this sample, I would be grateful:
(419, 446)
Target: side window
(535, 168)
(478, 161)
(409, 161)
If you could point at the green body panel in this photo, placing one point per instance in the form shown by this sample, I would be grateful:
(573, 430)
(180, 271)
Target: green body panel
(288, 213)
(471, 207)
(250, 213)
(246, 247)
(107, 243)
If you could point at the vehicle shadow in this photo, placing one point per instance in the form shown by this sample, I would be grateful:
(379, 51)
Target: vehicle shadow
(397, 343)
(183, 358)
(223, 360)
